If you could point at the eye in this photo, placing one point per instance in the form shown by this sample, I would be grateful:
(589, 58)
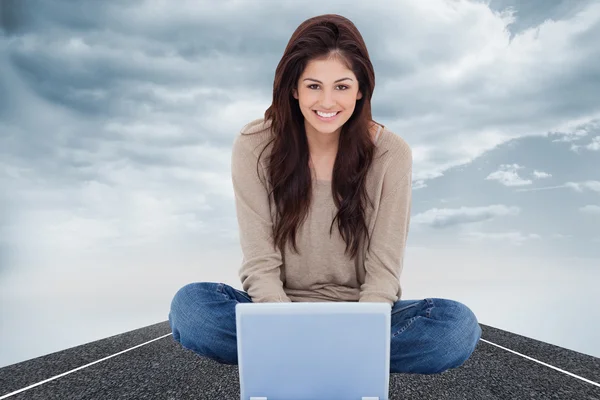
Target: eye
(314, 84)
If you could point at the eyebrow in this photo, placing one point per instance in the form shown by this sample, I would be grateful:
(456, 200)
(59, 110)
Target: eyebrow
(339, 80)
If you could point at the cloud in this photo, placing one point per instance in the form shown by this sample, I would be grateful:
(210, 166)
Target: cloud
(594, 145)
(531, 13)
(513, 237)
(561, 236)
(419, 184)
(591, 185)
(446, 217)
(586, 185)
(590, 209)
(508, 176)
(451, 99)
(579, 133)
(575, 130)
(128, 101)
(500, 78)
(574, 133)
(540, 174)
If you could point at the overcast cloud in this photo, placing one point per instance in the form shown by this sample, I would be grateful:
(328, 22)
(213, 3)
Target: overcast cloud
(117, 121)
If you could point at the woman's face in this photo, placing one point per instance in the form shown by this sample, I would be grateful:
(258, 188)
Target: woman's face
(323, 86)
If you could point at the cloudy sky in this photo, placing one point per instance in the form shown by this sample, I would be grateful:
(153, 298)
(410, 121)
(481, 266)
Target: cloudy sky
(117, 121)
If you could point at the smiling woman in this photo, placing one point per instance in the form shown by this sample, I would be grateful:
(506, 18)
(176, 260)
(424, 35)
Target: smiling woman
(326, 108)
(318, 157)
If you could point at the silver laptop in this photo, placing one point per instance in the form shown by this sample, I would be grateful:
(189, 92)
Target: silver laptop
(310, 351)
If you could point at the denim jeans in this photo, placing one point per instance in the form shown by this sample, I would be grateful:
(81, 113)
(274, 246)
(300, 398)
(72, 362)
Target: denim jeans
(428, 336)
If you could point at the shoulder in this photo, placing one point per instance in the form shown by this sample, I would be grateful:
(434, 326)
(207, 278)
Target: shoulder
(257, 126)
(394, 150)
(253, 136)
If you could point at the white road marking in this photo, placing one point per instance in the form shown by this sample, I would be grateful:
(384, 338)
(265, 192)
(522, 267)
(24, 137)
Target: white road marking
(543, 363)
(82, 367)
(170, 334)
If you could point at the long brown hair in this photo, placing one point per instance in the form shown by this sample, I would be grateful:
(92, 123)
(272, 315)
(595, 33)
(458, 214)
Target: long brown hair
(320, 37)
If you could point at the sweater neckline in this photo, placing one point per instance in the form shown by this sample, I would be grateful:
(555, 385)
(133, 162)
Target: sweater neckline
(379, 139)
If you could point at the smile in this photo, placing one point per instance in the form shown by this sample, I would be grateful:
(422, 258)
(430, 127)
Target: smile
(326, 116)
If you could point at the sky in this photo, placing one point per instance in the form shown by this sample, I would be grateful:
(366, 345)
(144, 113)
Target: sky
(117, 121)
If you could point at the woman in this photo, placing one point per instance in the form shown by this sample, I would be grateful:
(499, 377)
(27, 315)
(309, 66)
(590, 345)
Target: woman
(323, 199)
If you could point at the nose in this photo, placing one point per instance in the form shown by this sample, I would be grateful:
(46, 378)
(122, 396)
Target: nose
(327, 100)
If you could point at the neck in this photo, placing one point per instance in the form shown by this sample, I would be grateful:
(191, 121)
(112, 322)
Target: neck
(322, 145)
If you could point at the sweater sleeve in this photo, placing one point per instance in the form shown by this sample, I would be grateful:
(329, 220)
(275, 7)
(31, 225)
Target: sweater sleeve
(384, 260)
(261, 265)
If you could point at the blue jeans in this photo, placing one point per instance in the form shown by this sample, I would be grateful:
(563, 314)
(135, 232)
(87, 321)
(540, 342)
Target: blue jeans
(428, 336)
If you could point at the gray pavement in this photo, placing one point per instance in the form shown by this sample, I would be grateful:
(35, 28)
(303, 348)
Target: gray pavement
(162, 369)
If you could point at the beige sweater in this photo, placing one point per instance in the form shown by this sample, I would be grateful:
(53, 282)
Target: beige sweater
(322, 272)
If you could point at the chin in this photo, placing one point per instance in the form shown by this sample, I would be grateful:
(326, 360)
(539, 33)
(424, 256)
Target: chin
(325, 128)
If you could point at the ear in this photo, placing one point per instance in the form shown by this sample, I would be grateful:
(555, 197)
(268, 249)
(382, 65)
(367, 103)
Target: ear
(359, 95)
(295, 93)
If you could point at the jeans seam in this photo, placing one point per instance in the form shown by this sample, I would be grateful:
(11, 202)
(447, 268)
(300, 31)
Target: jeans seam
(405, 327)
(220, 290)
(431, 305)
(410, 321)
(404, 308)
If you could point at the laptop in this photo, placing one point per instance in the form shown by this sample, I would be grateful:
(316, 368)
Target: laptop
(313, 350)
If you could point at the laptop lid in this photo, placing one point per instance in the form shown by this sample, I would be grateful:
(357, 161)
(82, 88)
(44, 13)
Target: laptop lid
(313, 350)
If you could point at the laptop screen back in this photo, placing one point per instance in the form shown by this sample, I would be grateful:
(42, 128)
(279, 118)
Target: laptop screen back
(332, 350)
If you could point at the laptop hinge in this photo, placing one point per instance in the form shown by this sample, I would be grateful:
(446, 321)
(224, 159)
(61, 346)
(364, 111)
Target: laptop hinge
(370, 398)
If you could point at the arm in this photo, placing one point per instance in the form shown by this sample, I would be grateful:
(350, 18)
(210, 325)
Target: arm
(384, 260)
(261, 265)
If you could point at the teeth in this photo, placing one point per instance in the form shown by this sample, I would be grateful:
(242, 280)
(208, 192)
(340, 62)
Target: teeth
(326, 115)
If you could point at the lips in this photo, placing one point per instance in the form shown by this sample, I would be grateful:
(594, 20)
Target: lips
(327, 119)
